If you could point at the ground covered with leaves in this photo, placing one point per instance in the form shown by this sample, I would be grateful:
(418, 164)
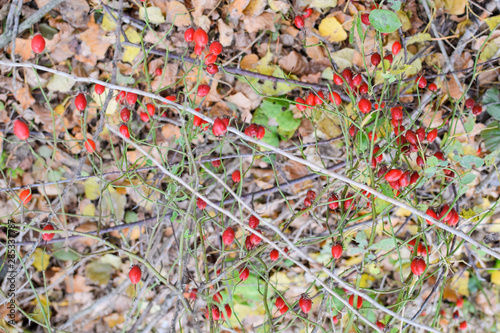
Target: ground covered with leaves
(249, 166)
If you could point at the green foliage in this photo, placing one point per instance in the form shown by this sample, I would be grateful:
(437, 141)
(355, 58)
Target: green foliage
(491, 136)
(384, 20)
(492, 95)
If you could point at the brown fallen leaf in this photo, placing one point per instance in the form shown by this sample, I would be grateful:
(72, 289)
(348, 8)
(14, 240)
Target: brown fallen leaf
(226, 33)
(76, 12)
(168, 77)
(265, 21)
(236, 8)
(294, 63)
(23, 95)
(177, 12)
(94, 43)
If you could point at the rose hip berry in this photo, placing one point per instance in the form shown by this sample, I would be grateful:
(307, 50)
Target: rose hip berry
(253, 222)
(364, 105)
(144, 116)
(421, 82)
(200, 37)
(359, 303)
(279, 302)
(38, 44)
(389, 58)
(228, 236)
(135, 274)
(375, 59)
(396, 47)
(337, 80)
(236, 176)
(305, 304)
(212, 69)
(380, 325)
(201, 204)
(203, 90)
(216, 163)
(244, 273)
(433, 87)
(418, 266)
(124, 131)
(80, 102)
(125, 115)
(365, 18)
(284, 309)
(333, 203)
(469, 103)
(335, 98)
(432, 135)
(411, 137)
(219, 127)
(337, 250)
(215, 48)
(98, 89)
(90, 145)
(21, 130)
(48, 236)
(463, 325)
(477, 110)
(299, 22)
(25, 196)
(274, 255)
(393, 175)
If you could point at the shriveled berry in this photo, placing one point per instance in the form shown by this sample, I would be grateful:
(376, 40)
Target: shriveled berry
(477, 110)
(432, 135)
(228, 236)
(274, 255)
(299, 22)
(201, 204)
(364, 105)
(236, 176)
(393, 175)
(305, 304)
(337, 250)
(48, 236)
(38, 44)
(418, 266)
(382, 171)
(25, 196)
(469, 103)
(98, 89)
(311, 195)
(135, 274)
(375, 59)
(244, 273)
(80, 102)
(21, 130)
(124, 131)
(90, 145)
(189, 35)
(396, 47)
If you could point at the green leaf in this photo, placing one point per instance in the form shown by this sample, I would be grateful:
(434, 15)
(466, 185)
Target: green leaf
(385, 244)
(99, 272)
(130, 216)
(491, 158)
(432, 161)
(272, 112)
(467, 178)
(491, 137)
(361, 239)
(64, 255)
(384, 20)
(491, 96)
(469, 124)
(395, 4)
(468, 160)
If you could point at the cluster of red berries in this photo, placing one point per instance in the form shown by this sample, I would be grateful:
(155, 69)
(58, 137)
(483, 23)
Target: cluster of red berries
(255, 131)
(476, 108)
(81, 104)
(299, 19)
(422, 250)
(281, 305)
(310, 197)
(448, 216)
(357, 85)
(376, 59)
(398, 179)
(200, 38)
(216, 313)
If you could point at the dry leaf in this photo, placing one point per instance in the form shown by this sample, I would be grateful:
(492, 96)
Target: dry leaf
(169, 77)
(178, 12)
(23, 48)
(226, 33)
(236, 8)
(201, 5)
(255, 7)
(455, 7)
(454, 89)
(23, 95)
(76, 12)
(263, 22)
(249, 61)
(293, 63)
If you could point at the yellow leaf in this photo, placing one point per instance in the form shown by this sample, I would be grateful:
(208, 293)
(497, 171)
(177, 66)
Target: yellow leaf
(41, 260)
(455, 7)
(130, 53)
(489, 51)
(37, 312)
(113, 104)
(492, 22)
(401, 212)
(353, 261)
(461, 284)
(89, 210)
(419, 38)
(154, 15)
(108, 24)
(114, 319)
(60, 83)
(99, 272)
(462, 26)
(263, 66)
(495, 277)
(404, 20)
(332, 30)
(322, 4)
(366, 281)
(343, 58)
(92, 191)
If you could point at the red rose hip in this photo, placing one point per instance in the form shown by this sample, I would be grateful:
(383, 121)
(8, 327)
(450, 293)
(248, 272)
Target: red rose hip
(21, 130)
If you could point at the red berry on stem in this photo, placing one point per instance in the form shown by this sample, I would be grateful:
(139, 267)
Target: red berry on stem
(279, 302)
(432, 135)
(244, 273)
(477, 110)
(376, 59)
(421, 82)
(38, 44)
(236, 176)
(219, 127)
(21, 130)
(357, 79)
(261, 132)
(299, 22)
(460, 302)
(396, 47)
(144, 116)
(90, 145)
(307, 12)
(432, 214)
(151, 109)
(124, 131)
(404, 180)
(352, 130)
(337, 80)
(125, 115)
(131, 98)
(347, 75)
(380, 325)
(210, 59)
(98, 89)
(305, 304)
(299, 106)
(200, 37)
(203, 90)
(421, 134)
(216, 163)
(25, 196)
(229, 312)
(135, 274)
(253, 222)
(337, 250)
(420, 161)
(411, 137)
(359, 303)
(393, 175)
(433, 87)
(158, 71)
(201, 204)
(318, 99)
(212, 69)
(120, 98)
(284, 309)
(418, 266)
(363, 88)
(274, 255)
(80, 102)
(397, 112)
(307, 202)
(333, 203)
(311, 195)
(463, 325)
(215, 48)
(228, 236)
(439, 155)
(335, 98)
(189, 35)
(364, 105)
(389, 58)
(335, 320)
(48, 236)
(469, 103)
